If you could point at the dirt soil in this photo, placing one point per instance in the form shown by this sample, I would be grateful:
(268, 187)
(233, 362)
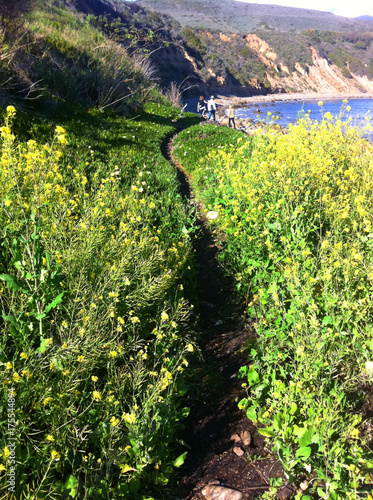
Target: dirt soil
(215, 389)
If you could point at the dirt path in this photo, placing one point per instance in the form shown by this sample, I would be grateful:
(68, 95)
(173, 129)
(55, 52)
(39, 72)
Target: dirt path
(214, 418)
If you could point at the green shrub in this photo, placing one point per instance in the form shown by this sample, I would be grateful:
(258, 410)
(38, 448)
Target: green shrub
(95, 255)
(292, 214)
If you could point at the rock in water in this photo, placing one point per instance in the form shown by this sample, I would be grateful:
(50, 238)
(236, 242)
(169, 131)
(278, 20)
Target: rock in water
(213, 492)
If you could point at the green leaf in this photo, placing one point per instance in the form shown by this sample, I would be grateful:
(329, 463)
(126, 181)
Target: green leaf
(71, 486)
(13, 283)
(252, 376)
(11, 319)
(320, 492)
(53, 304)
(40, 316)
(328, 320)
(303, 452)
(44, 344)
(306, 439)
(267, 432)
(180, 460)
(251, 413)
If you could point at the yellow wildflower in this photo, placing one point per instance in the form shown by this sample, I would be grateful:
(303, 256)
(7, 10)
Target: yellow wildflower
(114, 421)
(96, 395)
(55, 455)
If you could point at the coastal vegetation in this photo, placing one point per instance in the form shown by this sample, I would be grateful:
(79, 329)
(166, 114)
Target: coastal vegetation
(95, 272)
(97, 267)
(292, 214)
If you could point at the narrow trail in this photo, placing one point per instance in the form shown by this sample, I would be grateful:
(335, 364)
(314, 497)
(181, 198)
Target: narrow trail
(213, 429)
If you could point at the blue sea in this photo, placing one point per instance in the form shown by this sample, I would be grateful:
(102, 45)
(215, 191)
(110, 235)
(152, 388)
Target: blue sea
(289, 111)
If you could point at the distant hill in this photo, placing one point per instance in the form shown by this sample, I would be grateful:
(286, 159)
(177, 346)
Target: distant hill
(236, 17)
(365, 18)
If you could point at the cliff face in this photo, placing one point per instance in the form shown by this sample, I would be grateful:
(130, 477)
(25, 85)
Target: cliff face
(267, 72)
(321, 75)
(264, 60)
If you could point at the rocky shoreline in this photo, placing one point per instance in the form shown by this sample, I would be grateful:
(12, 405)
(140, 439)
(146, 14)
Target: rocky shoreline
(249, 126)
(226, 100)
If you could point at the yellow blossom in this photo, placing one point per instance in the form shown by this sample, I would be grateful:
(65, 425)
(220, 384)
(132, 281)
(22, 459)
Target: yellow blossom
(96, 395)
(129, 418)
(55, 455)
(114, 421)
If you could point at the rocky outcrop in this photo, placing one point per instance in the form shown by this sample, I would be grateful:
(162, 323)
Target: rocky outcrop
(320, 76)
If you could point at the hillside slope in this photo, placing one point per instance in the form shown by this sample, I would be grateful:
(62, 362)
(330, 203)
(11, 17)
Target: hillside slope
(257, 49)
(232, 16)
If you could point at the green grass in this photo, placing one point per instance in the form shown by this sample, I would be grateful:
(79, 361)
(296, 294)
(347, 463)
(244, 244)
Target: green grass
(293, 215)
(95, 294)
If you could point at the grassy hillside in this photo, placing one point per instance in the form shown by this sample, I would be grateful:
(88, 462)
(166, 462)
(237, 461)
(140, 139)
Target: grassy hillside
(293, 216)
(231, 16)
(95, 269)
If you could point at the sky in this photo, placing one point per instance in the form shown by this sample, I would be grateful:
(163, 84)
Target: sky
(347, 8)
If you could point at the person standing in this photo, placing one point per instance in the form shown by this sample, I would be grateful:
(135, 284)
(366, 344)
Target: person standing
(201, 106)
(211, 107)
(231, 116)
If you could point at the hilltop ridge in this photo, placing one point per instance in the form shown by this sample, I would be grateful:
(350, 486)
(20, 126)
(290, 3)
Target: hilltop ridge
(237, 17)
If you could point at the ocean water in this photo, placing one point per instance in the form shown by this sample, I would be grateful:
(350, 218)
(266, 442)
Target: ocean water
(289, 111)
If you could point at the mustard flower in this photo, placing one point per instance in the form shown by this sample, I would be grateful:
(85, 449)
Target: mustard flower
(114, 421)
(50, 438)
(24, 355)
(129, 418)
(55, 455)
(96, 395)
(11, 110)
(125, 468)
(164, 316)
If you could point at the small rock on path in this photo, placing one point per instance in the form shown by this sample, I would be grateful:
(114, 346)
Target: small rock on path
(212, 492)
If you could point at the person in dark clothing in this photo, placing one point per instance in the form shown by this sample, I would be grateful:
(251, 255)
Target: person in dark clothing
(201, 106)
